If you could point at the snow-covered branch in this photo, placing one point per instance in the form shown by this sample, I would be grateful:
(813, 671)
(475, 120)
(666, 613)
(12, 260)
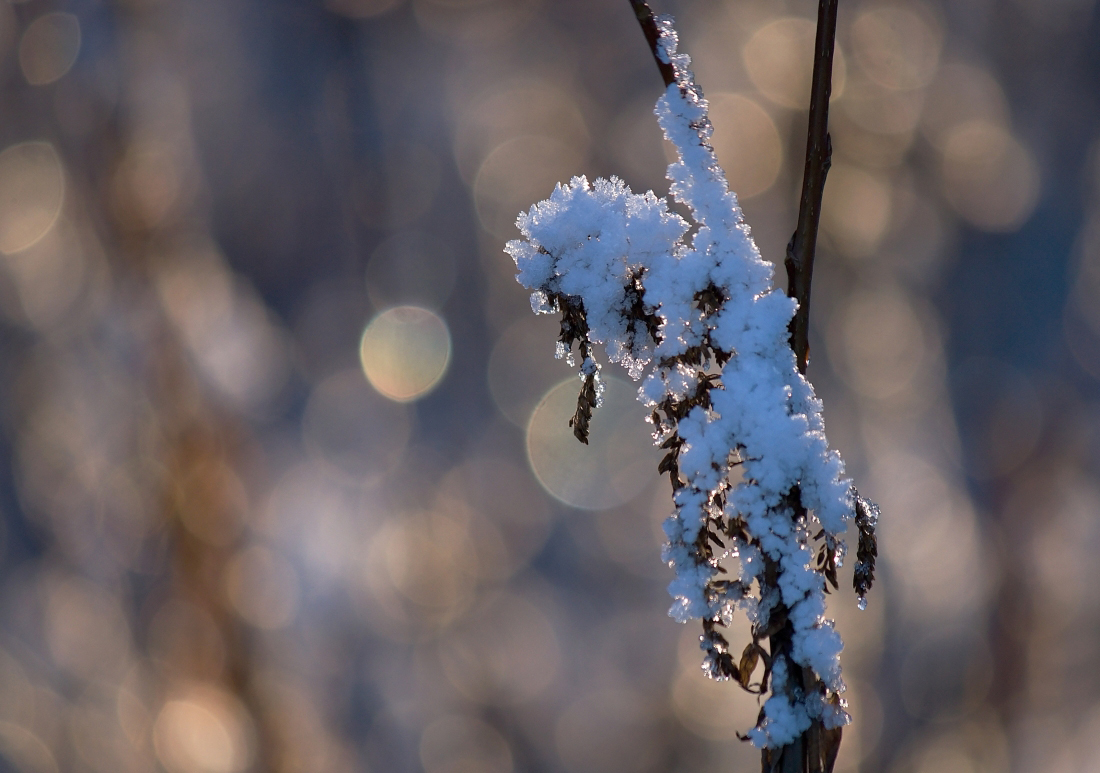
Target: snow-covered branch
(690, 309)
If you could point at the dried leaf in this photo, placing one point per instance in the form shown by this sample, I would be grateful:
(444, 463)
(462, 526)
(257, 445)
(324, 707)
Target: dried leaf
(863, 577)
(667, 463)
(673, 440)
(749, 660)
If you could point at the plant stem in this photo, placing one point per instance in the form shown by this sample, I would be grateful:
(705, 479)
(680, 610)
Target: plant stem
(819, 150)
(649, 27)
(816, 749)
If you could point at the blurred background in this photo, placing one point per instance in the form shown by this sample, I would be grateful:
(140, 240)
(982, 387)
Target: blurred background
(286, 481)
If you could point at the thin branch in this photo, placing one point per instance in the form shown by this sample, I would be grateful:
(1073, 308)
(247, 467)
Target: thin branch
(819, 149)
(803, 244)
(649, 28)
(816, 750)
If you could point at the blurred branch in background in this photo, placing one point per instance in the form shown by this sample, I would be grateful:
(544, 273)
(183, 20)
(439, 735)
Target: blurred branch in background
(216, 527)
(157, 580)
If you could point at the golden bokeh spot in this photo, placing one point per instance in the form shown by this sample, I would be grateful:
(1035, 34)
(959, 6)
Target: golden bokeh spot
(880, 110)
(422, 550)
(897, 47)
(32, 189)
(961, 92)
(205, 731)
(49, 48)
(212, 502)
(482, 492)
(421, 573)
(613, 468)
(878, 342)
(746, 142)
(405, 351)
(51, 276)
(518, 172)
(989, 177)
(523, 107)
(856, 210)
(147, 184)
(779, 58)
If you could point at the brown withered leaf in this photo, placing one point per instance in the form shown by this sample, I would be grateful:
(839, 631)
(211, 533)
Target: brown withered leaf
(672, 441)
(586, 402)
(749, 660)
(667, 463)
(832, 748)
(867, 515)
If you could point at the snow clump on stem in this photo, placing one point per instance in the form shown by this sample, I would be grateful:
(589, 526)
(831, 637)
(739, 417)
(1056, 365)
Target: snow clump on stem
(690, 309)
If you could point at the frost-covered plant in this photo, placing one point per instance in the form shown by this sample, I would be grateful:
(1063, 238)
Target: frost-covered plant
(688, 307)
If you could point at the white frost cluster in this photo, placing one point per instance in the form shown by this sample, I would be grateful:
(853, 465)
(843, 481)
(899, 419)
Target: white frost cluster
(607, 247)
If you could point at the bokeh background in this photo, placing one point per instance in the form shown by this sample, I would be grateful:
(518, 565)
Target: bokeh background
(285, 477)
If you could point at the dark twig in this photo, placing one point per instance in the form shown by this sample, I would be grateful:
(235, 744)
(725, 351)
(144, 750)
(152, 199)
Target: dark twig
(652, 36)
(815, 751)
(819, 149)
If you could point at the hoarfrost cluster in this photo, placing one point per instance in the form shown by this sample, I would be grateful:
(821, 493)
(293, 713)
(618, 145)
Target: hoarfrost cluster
(690, 309)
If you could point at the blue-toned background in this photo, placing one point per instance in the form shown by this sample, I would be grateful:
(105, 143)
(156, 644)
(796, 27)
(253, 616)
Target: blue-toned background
(285, 477)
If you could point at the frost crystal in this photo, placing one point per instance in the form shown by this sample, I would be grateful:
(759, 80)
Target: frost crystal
(698, 321)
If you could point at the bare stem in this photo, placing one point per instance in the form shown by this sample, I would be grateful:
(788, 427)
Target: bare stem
(649, 27)
(819, 150)
(816, 750)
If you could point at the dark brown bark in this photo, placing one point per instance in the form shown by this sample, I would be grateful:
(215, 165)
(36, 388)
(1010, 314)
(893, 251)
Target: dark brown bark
(652, 36)
(819, 149)
(816, 750)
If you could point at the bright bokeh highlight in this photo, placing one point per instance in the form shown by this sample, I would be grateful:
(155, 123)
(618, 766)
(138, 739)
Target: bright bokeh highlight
(205, 730)
(32, 189)
(49, 48)
(405, 352)
(780, 62)
(989, 177)
(616, 464)
(739, 123)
